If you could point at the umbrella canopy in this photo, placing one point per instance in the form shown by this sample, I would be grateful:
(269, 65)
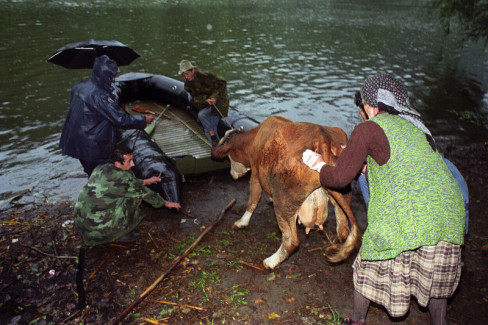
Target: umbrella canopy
(82, 55)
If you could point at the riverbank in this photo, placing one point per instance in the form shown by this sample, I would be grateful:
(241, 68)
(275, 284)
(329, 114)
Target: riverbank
(222, 279)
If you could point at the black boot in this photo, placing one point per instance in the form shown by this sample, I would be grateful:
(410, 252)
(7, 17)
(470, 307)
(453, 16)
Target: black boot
(129, 237)
(215, 141)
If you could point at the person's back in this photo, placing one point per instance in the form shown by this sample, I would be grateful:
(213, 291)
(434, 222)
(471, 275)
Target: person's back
(108, 205)
(89, 132)
(415, 201)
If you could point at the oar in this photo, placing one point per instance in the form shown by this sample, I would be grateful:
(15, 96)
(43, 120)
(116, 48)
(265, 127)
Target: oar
(151, 126)
(222, 116)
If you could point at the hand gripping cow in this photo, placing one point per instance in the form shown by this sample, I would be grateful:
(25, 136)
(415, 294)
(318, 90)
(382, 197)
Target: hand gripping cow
(273, 151)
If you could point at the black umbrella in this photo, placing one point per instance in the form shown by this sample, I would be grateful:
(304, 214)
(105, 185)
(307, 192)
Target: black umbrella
(82, 55)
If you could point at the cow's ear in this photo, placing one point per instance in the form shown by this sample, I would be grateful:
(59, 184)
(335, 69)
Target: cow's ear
(220, 151)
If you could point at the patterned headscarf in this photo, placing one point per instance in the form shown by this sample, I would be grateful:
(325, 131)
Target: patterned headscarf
(389, 94)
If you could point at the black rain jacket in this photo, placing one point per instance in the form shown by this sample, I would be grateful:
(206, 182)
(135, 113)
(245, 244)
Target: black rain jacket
(89, 132)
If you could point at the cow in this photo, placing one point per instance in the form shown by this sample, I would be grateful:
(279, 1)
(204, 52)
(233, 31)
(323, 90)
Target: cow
(273, 151)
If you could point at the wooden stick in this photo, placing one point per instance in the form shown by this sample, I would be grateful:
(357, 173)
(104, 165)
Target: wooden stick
(251, 265)
(117, 245)
(149, 233)
(173, 239)
(175, 304)
(50, 255)
(72, 316)
(175, 263)
(156, 322)
(92, 275)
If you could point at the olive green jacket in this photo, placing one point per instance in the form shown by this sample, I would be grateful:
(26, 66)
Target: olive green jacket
(208, 85)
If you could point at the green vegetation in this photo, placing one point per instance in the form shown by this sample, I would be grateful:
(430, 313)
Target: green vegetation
(471, 15)
(237, 294)
(202, 280)
(468, 116)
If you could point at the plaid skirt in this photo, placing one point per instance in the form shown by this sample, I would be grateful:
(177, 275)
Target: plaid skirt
(427, 272)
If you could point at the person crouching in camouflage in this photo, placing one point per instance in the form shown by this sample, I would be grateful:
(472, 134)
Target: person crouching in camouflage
(108, 205)
(209, 93)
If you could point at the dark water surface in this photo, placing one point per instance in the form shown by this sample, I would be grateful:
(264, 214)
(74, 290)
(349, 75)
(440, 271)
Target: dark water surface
(300, 59)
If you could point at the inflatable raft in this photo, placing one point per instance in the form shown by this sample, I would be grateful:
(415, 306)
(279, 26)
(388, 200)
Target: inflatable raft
(177, 146)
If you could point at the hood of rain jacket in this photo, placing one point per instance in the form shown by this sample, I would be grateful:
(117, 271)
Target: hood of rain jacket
(89, 132)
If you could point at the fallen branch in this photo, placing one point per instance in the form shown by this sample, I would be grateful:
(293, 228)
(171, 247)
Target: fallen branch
(157, 247)
(156, 322)
(72, 316)
(172, 238)
(251, 265)
(175, 263)
(92, 275)
(314, 249)
(57, 255)
(175, 304)
(117, 245)
(50, 255)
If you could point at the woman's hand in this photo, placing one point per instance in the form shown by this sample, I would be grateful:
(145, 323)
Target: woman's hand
(313, 160)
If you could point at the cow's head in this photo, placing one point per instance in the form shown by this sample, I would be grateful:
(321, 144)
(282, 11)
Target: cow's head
(234, 144)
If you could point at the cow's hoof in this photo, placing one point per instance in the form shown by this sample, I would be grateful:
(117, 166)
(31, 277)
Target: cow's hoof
(274, 260)
(237, 226)
(269, 264)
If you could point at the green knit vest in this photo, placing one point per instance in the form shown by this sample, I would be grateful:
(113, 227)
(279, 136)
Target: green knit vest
(414, 200)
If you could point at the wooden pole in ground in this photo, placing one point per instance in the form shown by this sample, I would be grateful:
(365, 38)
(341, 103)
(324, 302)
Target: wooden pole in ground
(175, 263)
(79, 279)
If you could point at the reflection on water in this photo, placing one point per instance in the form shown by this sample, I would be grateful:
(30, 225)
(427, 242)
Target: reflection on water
(300, 59)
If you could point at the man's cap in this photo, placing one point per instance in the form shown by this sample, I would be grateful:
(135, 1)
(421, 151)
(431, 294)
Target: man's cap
(185, 65)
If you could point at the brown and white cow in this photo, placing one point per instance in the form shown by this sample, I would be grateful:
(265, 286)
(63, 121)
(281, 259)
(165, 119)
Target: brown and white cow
(273, 151)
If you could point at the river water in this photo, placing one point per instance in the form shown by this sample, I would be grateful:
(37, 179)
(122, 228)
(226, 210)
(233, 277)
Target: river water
(302, 59)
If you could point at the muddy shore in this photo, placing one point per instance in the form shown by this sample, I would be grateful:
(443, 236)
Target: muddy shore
(222, 280)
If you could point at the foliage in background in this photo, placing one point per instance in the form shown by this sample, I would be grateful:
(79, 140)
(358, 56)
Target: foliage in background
(471, 15)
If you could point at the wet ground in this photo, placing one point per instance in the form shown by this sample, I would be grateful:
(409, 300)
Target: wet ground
(222, 280)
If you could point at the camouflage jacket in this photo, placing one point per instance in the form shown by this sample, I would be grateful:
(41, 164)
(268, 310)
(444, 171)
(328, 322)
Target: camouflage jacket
(108, 205)
(208, 85)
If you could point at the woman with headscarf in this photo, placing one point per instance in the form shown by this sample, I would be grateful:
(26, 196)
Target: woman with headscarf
(412, 244)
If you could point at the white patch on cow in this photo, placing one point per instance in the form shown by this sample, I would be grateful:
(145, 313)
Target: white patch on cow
(244, 220)
(237, 170)
(274, 260)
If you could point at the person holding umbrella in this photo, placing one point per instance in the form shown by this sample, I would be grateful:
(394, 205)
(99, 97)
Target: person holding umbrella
(89, 132)
(209, 93)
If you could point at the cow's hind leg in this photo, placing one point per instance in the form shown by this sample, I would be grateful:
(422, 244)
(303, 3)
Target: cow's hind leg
(255, 191)
(289, 241)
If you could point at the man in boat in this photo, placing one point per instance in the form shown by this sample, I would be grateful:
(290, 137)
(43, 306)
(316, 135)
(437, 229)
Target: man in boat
(108, 205)
(209, 93)
(89, 131)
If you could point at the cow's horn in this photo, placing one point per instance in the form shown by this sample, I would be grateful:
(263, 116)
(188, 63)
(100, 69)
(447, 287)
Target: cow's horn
(226, 136)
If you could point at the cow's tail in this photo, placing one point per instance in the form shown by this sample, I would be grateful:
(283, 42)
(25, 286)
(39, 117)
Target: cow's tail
(339, 252)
